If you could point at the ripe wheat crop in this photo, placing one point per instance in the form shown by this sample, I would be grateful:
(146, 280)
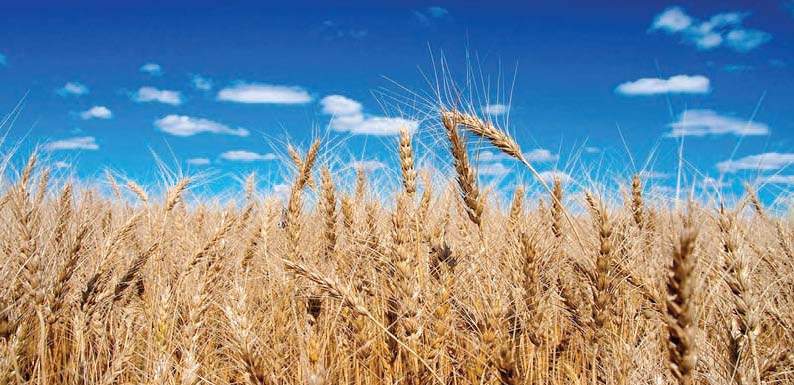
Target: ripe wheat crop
(437, 283)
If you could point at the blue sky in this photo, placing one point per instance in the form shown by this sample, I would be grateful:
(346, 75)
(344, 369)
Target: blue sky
(219, 88)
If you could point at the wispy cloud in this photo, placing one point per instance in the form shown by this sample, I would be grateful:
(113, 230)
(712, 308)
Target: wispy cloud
(153, 69)
(96, 112)
(332, 29)
(181, 125)
(151, 94)
(426, 16)
(708, 122)
(538, 155)
(654, 175)
(366, 165)
(723, 29)
(680, 84)
(347, 116)
(761, 162)
(592, 150)
(551, 176)
(259, 93)
(246, 156)
(737, 68)
(76, 143)
(198, 161)
(72, 88)
(496, 109)
(493, 169)
(59, 164)
(779, 179)
(200, 82)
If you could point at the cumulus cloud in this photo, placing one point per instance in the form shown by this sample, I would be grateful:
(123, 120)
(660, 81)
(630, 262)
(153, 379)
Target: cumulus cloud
(151, 94)
(347, 116)
(550, 176)
(72, 88)
(181, 125)
(680, 84)
(259, 93)
(723, 29)
(760, 162)
(246, 156)
(493, 169)
(367, 165)
(340, 105)
(778, 179)
(76, 143)
(96, 112)
(708, 122)
(200, 82)
(152, 69)
(496, 109)
(198, 161)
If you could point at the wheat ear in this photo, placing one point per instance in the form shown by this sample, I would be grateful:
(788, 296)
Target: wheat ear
(680, 309)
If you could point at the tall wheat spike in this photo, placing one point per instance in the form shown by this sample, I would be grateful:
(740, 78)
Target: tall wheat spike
(681, 309)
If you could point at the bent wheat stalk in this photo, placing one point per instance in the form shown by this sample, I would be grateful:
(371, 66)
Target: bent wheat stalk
(507, 145)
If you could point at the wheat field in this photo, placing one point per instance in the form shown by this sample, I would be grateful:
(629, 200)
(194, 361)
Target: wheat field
(436, 284)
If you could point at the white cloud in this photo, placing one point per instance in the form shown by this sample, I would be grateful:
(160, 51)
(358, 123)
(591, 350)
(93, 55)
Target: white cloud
(367, 165)
(550, 176)
(61, 164)
(201, 83)
(779, 179)
(246, 156)
(681, 84)
(152, 69)
(744, 40)
(493, 169)
(767, 161)
(281, 190)
(737, 67)
(653, 175)
(151, 94)
(722, 29)
(347, 116)
(72, 88)
(672, 20)
(76, 143)
(538, 155)
(340, 105)
(435, 12)
(181, 125)
(96, 112)
(496, 109)
(708, 122)
(198, 161)
(709, 182)
(264, 94)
